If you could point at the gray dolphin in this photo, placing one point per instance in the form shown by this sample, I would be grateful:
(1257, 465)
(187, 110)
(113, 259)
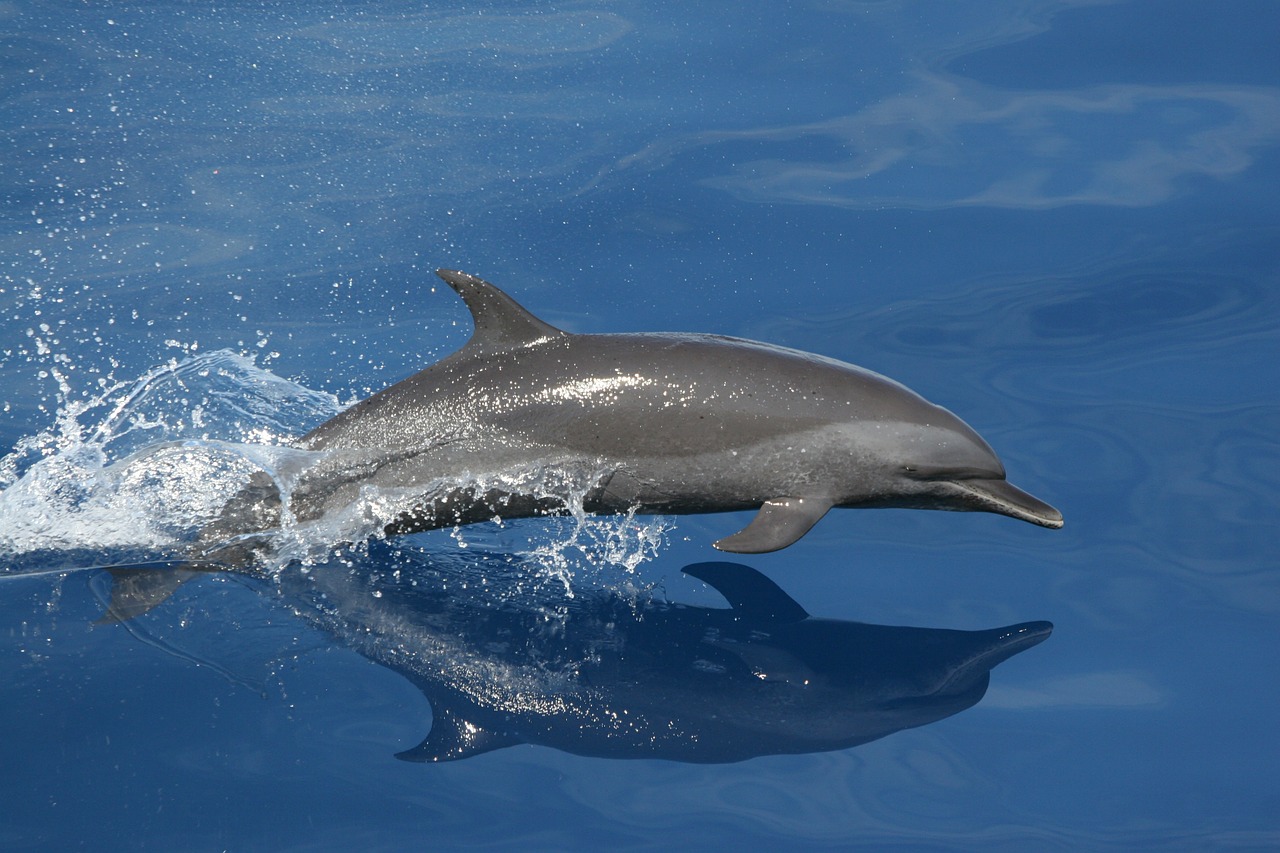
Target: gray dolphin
(667, 423)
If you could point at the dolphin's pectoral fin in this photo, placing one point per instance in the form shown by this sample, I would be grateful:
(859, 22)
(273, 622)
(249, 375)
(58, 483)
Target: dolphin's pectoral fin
(501, 323)
(453, 738)
(751, 594)
(780, 522)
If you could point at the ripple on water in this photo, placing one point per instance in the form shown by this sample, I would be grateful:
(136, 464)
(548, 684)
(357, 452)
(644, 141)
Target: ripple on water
(1134, 385)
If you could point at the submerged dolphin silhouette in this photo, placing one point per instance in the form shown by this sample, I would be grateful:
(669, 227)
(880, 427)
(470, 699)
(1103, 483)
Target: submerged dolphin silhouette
(600, 675)
(663, 423)
(506, 658)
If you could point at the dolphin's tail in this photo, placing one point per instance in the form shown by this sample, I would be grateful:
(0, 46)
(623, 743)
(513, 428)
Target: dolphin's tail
(234, 542)
(137, 589)
(141, 587)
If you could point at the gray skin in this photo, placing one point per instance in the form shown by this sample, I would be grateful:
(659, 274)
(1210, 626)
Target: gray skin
(661, 423)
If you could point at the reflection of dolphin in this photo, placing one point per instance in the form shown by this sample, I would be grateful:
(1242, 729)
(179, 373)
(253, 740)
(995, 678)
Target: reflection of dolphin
(663, 423)
(602, 675)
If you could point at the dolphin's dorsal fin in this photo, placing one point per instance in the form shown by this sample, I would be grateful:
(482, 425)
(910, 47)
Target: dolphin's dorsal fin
(453, 738)
(501, 323)
(779, 522)
(751, 593)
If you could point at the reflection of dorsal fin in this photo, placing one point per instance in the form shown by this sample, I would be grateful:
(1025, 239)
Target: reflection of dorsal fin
(501, 324)
(751, 593)
(452, 738)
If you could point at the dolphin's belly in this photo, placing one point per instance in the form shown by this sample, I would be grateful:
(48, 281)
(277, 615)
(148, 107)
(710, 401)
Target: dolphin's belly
(500, 475)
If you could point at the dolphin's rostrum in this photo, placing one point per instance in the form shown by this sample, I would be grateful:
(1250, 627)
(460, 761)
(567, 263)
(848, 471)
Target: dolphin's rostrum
(665, 423)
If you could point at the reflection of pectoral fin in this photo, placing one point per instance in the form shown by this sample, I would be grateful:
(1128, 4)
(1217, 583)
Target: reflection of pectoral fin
(770, 663)
(780, 522)
(453, 738)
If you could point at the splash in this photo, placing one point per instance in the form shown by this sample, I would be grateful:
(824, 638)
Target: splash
(576, 547)
(139, 467)
(142, 471)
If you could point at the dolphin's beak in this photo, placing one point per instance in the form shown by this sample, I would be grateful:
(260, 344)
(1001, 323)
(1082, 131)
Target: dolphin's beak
(993, 647)
(1000, 644)
(1004, 498)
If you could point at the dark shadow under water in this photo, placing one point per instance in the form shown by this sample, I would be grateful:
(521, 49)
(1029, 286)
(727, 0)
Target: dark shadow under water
(506, 655)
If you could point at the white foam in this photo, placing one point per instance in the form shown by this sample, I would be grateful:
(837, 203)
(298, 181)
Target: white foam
(144, 467)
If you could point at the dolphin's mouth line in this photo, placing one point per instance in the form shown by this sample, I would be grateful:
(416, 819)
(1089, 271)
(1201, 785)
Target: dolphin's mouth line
(1014, 639)
(1004, 498)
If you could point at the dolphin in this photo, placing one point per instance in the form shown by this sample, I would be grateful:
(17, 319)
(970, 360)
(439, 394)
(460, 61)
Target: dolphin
(506, 656)
(655, 423)
(603, 675)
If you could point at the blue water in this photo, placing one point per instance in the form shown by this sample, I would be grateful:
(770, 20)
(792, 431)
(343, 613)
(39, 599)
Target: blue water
(1059, 220)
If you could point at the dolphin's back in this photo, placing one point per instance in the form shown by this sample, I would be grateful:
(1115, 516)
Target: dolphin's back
(658, 422)
(601, 394)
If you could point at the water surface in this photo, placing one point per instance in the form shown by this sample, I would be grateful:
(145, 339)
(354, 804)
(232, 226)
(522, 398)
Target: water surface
(218, 226)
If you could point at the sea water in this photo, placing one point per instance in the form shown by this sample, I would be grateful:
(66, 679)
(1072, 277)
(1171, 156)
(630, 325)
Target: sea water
(218, 226)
